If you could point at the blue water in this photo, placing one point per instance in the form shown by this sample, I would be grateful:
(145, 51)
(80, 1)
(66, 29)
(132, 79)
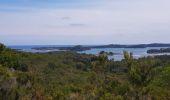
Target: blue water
(137, 52)
(28, 48)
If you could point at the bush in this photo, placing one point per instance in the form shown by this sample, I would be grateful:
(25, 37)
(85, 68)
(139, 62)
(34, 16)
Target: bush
(51, 65)
(81, 66)
(160, 86)
(2, 47)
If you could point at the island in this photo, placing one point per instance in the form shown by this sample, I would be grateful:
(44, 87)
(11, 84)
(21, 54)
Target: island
(162, 50)
(106, 53)
(75, 48)
(84, 48)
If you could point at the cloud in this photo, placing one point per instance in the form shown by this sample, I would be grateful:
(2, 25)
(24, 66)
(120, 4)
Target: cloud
(66, 18)
(77, 25)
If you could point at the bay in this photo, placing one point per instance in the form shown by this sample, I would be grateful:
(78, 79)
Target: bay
(118, 56)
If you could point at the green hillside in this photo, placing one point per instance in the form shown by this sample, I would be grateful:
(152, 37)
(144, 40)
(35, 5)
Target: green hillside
(73, 76)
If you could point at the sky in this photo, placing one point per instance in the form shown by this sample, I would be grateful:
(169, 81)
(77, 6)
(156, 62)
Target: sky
(84, 22)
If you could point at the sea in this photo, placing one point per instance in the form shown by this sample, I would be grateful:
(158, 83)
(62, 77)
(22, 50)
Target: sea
(118, 56)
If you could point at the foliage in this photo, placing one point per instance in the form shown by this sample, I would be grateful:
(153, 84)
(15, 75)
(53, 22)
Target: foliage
(73, 76)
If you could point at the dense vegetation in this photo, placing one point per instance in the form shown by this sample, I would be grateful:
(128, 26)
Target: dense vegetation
(72, 76)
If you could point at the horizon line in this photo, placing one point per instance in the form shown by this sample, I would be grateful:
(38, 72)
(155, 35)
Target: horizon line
(83, 44)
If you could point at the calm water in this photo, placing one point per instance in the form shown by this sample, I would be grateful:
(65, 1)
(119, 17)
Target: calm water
(137, 52)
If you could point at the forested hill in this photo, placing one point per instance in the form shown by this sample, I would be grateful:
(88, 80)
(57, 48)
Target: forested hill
(132, 46)
(161, 50)
(72, 76)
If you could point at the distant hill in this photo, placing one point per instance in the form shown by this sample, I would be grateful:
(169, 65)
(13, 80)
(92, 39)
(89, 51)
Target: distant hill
(83, 48)
(75, 48)
(132, 46)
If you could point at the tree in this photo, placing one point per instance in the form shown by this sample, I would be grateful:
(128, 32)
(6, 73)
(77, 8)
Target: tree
(160, 86)
(2, 47)
(128, 58)
(140, 73)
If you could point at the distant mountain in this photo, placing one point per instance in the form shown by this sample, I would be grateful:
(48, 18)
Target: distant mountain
(158, 45)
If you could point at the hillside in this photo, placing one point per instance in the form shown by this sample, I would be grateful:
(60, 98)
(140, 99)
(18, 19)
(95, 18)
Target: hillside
(72, 76)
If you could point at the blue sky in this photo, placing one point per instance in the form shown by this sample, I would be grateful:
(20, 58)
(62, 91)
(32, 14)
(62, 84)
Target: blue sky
(50, 3)
(84, 22)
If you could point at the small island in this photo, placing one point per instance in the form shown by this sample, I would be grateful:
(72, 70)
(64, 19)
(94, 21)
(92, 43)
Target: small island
(75, 48)
(106, 53)
(162, 50)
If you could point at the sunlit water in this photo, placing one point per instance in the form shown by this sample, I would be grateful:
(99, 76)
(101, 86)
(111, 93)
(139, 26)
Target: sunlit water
(137, 52)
